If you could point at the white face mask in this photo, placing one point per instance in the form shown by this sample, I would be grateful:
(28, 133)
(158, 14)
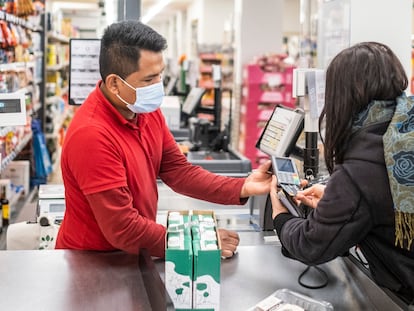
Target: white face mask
(147, 98)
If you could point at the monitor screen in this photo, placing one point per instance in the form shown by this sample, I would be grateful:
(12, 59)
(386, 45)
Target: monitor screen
(170, 85)
(83, 68)
(10, 105)
(13, 109)
(192, 100)
(56, 207)
(284, 165)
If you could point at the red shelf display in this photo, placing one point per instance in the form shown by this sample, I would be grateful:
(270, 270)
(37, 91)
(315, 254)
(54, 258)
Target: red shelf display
(262, 91)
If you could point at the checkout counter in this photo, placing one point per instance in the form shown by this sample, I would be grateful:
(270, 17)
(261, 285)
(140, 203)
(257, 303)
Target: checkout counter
(87, 280)
(82, 280)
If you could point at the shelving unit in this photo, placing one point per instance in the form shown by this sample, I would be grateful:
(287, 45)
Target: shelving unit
(221, 55)
(207, 60)
(264, 87)
(58, 112)
(21, 71)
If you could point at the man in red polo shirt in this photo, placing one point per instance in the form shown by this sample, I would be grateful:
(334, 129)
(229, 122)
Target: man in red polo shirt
(118, 144)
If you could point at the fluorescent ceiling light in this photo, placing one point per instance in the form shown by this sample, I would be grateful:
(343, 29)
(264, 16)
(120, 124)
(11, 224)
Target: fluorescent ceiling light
(67, 5)
(154, 10)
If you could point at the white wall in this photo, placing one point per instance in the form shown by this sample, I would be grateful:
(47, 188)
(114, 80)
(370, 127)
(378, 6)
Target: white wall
(258, 30)
(390, 23)
(290, 22)
(215, 13)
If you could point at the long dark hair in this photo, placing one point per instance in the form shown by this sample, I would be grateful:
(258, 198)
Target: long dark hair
(356, 76)
(121, 45)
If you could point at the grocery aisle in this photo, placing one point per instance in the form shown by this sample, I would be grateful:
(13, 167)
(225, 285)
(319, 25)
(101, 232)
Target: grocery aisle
(56, 176)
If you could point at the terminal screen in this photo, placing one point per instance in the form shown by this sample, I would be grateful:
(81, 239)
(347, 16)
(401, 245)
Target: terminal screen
(56, 208)
(284, 165)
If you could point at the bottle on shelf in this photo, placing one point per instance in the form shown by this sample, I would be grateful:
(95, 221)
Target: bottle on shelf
(5, 207)
(1, 218)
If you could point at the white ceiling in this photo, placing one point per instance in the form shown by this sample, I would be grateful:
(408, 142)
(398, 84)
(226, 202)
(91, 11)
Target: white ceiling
(172, 7)
(92, 7)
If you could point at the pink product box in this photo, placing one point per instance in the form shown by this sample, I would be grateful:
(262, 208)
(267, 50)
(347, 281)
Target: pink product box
(256, 159)
(253, 107)
(254, 114)
(248, 147)
(252, 129)
(253, 93)
(254, 74)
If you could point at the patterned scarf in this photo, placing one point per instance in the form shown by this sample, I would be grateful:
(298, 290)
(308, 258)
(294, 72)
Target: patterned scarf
(399, 158)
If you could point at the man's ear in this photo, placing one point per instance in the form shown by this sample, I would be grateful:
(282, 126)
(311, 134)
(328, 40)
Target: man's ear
(112, 83)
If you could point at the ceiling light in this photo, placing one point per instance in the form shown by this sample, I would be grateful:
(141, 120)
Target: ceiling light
(154, 10)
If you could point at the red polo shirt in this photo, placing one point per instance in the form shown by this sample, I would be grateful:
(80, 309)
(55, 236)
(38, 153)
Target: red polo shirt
(109, 168)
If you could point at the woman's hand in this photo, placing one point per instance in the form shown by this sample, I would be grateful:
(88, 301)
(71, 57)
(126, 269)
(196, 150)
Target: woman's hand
(277, 206)
(229, 242)
(258, 182)
(311, 196)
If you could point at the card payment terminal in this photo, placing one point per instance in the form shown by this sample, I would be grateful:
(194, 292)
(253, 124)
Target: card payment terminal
(288, 179)
(287, 174)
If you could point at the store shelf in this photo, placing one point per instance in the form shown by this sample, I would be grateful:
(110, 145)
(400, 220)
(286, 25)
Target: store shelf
(58, 124)
(17, 21)
(57, 38)
(10, 157)
(16, 67)
(58, 66)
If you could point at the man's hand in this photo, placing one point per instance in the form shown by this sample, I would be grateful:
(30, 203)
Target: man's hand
(258, 182)
(229, 242)
(277, 206)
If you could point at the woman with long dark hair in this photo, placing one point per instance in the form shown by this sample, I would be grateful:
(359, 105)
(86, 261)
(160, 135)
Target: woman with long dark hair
(369, 152)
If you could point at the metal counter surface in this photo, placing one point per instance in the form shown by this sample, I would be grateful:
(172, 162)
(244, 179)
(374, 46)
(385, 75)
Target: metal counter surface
(259, 268)
(79, 280)
(257, 271)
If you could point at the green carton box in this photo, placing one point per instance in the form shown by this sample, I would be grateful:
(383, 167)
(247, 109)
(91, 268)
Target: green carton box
(179, 263)
(192, 272)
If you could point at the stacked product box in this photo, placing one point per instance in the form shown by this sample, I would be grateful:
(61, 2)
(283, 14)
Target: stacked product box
(192, 260)
(263, 89)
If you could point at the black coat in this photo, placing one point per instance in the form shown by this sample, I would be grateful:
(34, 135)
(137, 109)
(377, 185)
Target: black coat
(356, 209)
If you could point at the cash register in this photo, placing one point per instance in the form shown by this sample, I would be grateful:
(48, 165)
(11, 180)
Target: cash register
(51, 204)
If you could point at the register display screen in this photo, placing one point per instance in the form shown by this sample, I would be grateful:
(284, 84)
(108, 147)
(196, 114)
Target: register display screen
(10, 105)
(192, 100)
(285, 165)
(56, 208)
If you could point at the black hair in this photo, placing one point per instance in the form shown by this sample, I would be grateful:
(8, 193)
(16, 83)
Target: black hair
(356, 76)
(121, 44)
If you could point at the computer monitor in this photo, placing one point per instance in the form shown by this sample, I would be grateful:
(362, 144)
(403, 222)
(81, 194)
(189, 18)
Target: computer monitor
(193, 100)
(169, 88)
(12, 109)
(281, 133)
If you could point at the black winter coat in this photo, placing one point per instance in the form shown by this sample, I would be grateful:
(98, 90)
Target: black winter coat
(356, 209)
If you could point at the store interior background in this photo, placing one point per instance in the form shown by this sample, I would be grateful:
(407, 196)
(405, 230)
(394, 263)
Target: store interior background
(240, 32)
(191, 27)
(234, 32)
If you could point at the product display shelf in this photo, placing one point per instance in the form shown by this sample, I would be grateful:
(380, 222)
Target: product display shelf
(23, 209)
(20, 72)
(57, 110)
(207, 60)
(227, 68)
(17, 149)
(262, 90)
